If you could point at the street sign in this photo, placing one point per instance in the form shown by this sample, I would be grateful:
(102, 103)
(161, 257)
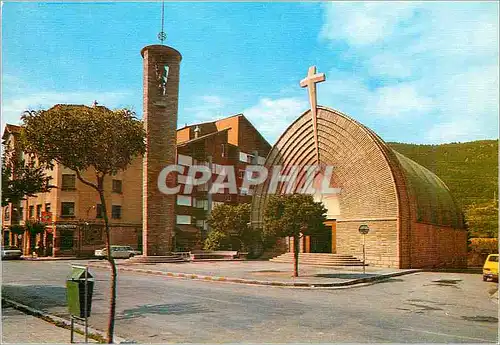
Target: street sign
(364, 229)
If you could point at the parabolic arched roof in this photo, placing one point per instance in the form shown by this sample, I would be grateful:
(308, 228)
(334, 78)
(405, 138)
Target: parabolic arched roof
(376, 181)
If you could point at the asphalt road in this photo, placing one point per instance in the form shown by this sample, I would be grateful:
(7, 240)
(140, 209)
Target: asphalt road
(421, 307)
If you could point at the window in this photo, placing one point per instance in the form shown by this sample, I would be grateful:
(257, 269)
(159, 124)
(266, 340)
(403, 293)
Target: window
(117, 186)
(7, 213)
(31, 211)
(493, 258)
(183, 200)
(68, 182)
(241, 174)
(67, 209)
(47, 207)
(243, 157)
(223, 150)
(66, 238)
(200, 223)
(116, 211)
(202, 203)
(184, 160)
(183, 219)
(98, 211)
(39, 211)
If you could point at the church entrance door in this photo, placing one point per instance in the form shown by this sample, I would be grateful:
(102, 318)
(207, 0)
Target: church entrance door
(326, 242)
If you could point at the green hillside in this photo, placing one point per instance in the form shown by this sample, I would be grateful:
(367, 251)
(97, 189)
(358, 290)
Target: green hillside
(470, 170)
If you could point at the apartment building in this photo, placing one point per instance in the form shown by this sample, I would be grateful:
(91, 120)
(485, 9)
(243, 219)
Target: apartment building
(232, 141)
(72, 211)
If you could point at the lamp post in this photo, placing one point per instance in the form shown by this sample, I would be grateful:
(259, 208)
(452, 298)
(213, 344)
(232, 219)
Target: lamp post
(364, 229)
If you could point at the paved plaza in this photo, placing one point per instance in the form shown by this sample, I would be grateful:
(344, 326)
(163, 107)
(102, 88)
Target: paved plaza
(423, 307)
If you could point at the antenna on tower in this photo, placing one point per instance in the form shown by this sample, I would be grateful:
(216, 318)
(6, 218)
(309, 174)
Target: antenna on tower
(162, 36)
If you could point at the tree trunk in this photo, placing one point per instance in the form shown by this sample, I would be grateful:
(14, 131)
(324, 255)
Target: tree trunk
(296, 247)
(112, 301)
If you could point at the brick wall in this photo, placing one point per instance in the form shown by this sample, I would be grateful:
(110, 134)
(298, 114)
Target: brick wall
(380, 243)
(435, 246)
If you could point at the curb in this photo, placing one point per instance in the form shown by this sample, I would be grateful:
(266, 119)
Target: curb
(43, 258)
(95, 334)
(191, 276)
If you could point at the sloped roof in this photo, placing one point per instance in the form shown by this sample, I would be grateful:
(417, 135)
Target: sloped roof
(433, 200)
(203, 137)
(11, 129)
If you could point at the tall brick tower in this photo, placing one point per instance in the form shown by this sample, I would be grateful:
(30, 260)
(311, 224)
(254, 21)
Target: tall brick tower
(161, 92)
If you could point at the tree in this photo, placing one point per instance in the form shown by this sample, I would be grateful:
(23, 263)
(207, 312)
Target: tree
(233, 222)
(216, 240)
(294, 215)
(20, 178)
(482, 219)
(94, 139)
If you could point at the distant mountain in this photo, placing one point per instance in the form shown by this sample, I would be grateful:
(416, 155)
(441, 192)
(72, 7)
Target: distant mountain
(470, 170)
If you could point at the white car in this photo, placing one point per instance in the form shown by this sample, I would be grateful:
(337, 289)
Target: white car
(11, 252)
(118, 252)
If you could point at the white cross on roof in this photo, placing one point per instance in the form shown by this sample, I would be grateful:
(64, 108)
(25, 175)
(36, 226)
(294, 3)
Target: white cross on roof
(310, 82)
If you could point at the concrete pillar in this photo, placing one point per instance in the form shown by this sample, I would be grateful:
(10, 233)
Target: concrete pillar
(160, 96)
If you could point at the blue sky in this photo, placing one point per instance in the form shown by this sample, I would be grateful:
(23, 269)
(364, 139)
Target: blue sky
(414, 72)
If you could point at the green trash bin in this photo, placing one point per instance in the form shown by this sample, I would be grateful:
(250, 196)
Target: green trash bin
(75, 292)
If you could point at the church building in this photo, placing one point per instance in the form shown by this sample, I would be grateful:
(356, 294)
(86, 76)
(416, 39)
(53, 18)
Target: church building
(412, 218)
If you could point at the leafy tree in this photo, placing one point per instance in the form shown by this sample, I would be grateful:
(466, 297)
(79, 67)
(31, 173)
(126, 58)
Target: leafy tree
(216, 240)
(20, 178)
(233, 221)
(482, 219)
(35, 227)
(17, 229)
(294, 215)
(83, 139)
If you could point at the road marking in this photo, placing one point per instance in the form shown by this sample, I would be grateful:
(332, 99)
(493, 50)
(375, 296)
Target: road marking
(447, 335)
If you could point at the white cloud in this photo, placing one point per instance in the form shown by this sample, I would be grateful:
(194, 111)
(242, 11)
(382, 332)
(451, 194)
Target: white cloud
(437, 61)
(207, 108)
(399, 100)
(455, 131)
(364, 23)
(389, 65)
(272, 116)
(14, 105)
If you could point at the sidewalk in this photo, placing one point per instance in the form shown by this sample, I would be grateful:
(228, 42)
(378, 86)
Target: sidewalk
(18, 327)
(263, 273)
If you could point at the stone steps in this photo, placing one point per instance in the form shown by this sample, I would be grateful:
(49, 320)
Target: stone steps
(319, 259)
(141, 259)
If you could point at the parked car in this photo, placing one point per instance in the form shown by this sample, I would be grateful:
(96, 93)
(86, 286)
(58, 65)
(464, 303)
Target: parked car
(118, 252)
(490, 268)
(11, 252)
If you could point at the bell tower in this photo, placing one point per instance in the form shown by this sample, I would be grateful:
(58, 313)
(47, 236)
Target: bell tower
(160, 98)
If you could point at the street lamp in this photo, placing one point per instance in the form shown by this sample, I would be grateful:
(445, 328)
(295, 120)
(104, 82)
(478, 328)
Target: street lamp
(364, 229)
